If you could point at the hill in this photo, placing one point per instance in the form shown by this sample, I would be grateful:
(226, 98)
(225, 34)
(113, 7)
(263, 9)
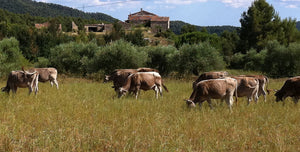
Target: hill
(176, 26)
(49, 10)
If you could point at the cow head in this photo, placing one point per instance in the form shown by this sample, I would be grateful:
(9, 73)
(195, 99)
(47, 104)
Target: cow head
(279, 96)
(121, 92)
(190, 103)
(107, 78)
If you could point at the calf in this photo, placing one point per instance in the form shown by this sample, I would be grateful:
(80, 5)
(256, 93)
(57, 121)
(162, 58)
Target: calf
(291, 88)
(21, 79)
(247, 86)
(144, 81)
(206, 90)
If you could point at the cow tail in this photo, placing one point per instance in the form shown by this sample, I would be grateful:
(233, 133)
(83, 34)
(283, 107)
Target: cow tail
(165, 87)
(236, 95)
(267, 82)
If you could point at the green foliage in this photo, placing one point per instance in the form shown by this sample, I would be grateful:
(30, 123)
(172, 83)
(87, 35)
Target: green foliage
(197, 37)
(11, 57)
(72, 57)
(118, 55)
(198, 58)
(282, 61)
(49, 10)
(161, 58)
(136, 37)
(188, 28)
(116, 34)
(261, 24)
(229, 43)
(176, 27)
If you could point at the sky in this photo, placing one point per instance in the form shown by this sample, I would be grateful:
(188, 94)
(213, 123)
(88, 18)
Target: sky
(196, 12)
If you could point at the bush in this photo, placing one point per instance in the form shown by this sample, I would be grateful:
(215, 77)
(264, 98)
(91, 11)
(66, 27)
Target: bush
(11, 57)
(72, 57)
(255, 61)
(160, 58)
(198, 57)
(282, 61)
(118, 55)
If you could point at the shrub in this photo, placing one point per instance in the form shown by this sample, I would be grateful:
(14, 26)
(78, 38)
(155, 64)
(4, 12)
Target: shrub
(198, 57)
(11, 57)
(160, 57)
(282, 61)
(118, 55)
(72, 57)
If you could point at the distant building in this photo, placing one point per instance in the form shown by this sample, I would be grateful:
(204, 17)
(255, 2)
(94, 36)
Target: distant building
(98, 27)
(46, 25)
(157, 23)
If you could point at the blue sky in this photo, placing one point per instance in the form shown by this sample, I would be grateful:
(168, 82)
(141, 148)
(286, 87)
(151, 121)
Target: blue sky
(196, 12)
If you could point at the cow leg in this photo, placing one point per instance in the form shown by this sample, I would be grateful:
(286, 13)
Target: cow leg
(229, 101)
(263, 92)
(296, 100)
(30, 90)
(55, 82)
(209, 102)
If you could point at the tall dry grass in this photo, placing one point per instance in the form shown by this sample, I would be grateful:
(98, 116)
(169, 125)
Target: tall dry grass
(83, 116)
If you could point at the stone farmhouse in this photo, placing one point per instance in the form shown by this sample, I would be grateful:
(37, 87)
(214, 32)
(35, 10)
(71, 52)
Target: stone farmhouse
(157, 23)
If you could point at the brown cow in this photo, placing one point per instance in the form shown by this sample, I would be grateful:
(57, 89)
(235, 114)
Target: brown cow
(119, 77)
(247, 86)
(144, 81)
(206, 90)
(210, 75)
(263, 82)
(291, 88)
(46, 74)
(21, 79)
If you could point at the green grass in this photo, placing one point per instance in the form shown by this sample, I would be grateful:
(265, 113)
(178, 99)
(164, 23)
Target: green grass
(83, 116)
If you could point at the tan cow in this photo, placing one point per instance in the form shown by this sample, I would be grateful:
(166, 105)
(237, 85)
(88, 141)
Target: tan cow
(210, 75)
(46, 74)
(247, 86)
(206, 90)
(21, 79)
(291, 88)
(144, 81)
(263, 83)
(119, 77)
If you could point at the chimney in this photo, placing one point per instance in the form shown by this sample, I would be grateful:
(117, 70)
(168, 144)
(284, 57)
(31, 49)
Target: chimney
(141, 9)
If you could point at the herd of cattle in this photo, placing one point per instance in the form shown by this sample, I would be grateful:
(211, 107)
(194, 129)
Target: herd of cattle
(209, 85)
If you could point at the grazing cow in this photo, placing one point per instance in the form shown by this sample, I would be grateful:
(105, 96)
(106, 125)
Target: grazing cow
(206, 90)
(263, 82)
(210, 75)
(46, 74)
(247, 86)
(119, 77)
(21, 79)
(291, 88)
(144, 81)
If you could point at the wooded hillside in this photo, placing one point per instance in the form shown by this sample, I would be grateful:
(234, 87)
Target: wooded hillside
(49, 10)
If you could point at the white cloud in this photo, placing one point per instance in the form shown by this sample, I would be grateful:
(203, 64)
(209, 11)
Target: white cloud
(237, 3)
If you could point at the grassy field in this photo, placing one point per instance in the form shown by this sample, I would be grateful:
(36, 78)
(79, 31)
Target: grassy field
(83, 116)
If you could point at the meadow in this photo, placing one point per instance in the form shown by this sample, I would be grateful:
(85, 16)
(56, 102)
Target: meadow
(83, 116)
